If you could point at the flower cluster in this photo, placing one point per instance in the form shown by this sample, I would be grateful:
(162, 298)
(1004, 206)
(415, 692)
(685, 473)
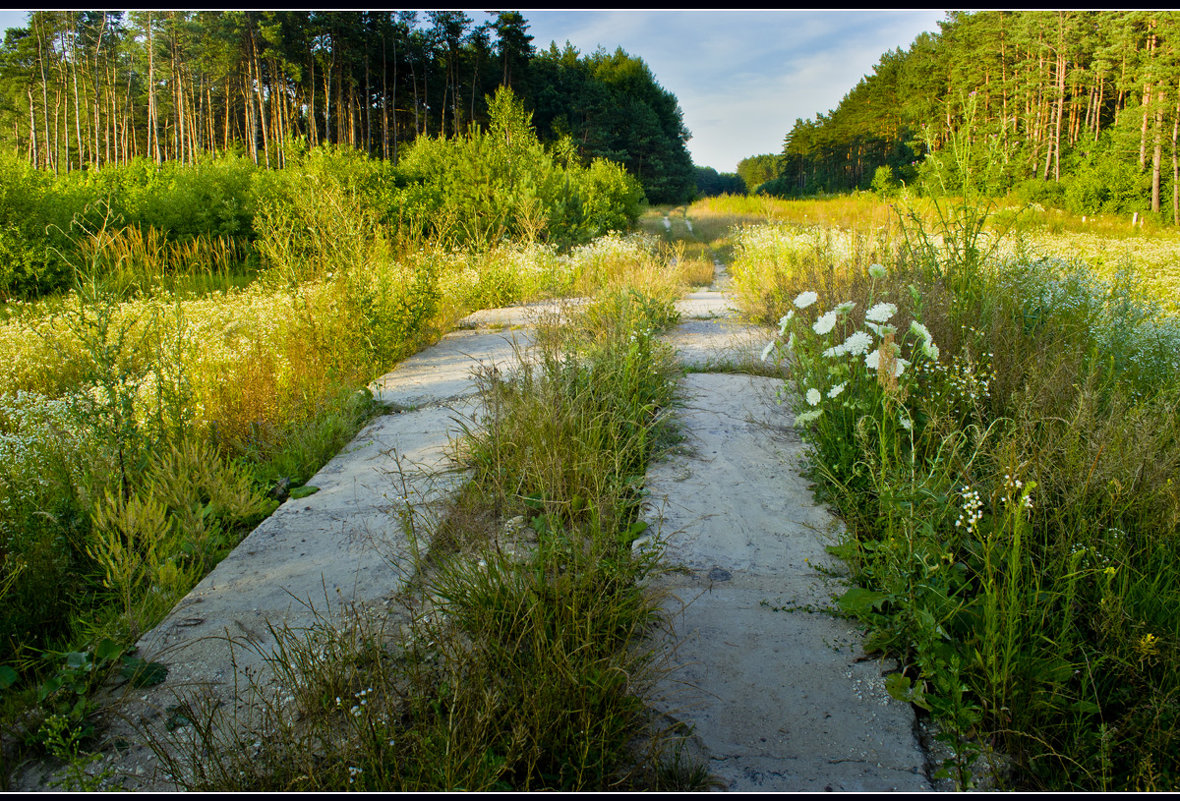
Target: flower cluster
(972, 510)
(873, 347)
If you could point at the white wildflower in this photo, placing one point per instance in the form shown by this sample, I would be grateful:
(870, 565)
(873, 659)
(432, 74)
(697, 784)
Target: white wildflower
(767, 350)
(809, 416)
(845, 307)
(805, 299)
(905, 421)
(825, 323)
(836, 390)
(930, 349)
(872, 359)
(784, 321)
(858, 342)
(920, 330)
(835, 350)
(881, 313)
(813, 396)
(877, 270)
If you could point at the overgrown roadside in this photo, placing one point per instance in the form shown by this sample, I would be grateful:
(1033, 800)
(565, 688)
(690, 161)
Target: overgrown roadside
(517, 647)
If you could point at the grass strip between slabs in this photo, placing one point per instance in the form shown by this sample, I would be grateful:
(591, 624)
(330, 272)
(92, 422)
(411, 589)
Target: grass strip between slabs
(523, 657)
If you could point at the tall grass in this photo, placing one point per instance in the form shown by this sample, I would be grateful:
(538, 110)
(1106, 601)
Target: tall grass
(97, 387)
(523, 664)
(1002, 445)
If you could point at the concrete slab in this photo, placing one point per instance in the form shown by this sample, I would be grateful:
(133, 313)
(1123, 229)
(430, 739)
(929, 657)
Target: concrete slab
(778, 693)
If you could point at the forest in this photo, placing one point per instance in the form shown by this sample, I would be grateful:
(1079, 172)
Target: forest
(1078, 109)
(86, 89)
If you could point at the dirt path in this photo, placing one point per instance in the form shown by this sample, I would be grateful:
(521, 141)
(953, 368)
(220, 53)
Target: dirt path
(776, 691)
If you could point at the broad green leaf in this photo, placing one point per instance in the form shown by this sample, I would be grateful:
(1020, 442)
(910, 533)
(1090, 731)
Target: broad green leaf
(859, 601)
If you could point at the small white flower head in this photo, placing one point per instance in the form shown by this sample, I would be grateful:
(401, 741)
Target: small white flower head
(930, 349)
(905, 421)
(805, 299)
(784, 321)
(768, 349)
(791, 341)
(836, 390)
(825, 323)
(877, 270)
(844, 308)
(872, 359)
(835, 350)
(858, 342)
(810, 416)
(813, 397)
(881, 313)
(920, 330)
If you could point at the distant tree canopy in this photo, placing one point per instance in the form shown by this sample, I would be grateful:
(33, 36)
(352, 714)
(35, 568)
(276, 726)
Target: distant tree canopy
(757, 170)
(1081, 108)
(709, 182)
(83, 89)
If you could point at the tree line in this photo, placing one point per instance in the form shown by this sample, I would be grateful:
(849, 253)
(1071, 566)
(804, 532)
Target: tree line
(1079, 107)
(80, 89)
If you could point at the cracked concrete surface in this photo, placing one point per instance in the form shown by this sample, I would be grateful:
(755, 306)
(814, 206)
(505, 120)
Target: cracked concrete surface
(779, 694)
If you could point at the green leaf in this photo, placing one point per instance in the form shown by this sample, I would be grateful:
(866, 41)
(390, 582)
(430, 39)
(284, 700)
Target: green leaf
(632, 533)
(899, 686)
(142, 673)
(8, 677)
(302, 492)
(859, 601)
(108, 649)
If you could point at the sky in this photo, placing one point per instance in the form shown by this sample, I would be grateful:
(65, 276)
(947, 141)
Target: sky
(742, 77)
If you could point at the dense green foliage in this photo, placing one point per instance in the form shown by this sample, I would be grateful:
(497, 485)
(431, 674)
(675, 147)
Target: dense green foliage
(479, 189)
(611, 105)
(999, 435)
(1082, 107)
(83, 89)
(757, 170)
(710, 183)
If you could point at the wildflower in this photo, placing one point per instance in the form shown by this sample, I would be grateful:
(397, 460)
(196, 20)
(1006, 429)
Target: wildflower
(835, 350)
(784, 321)
(836, 390)
(972, 509)
(905, 421)
(877, 270)
(857, 343)
(881, 313)
(844, 308)
(805, 299)
(920, 330)
(825, 323)
(809, 416)
(813, 396)
(766, 351)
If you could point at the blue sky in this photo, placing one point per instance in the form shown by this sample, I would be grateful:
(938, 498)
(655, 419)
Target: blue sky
(742, 76)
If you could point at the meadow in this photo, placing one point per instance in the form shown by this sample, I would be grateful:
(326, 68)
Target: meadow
(990, 395)
(184, 347)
